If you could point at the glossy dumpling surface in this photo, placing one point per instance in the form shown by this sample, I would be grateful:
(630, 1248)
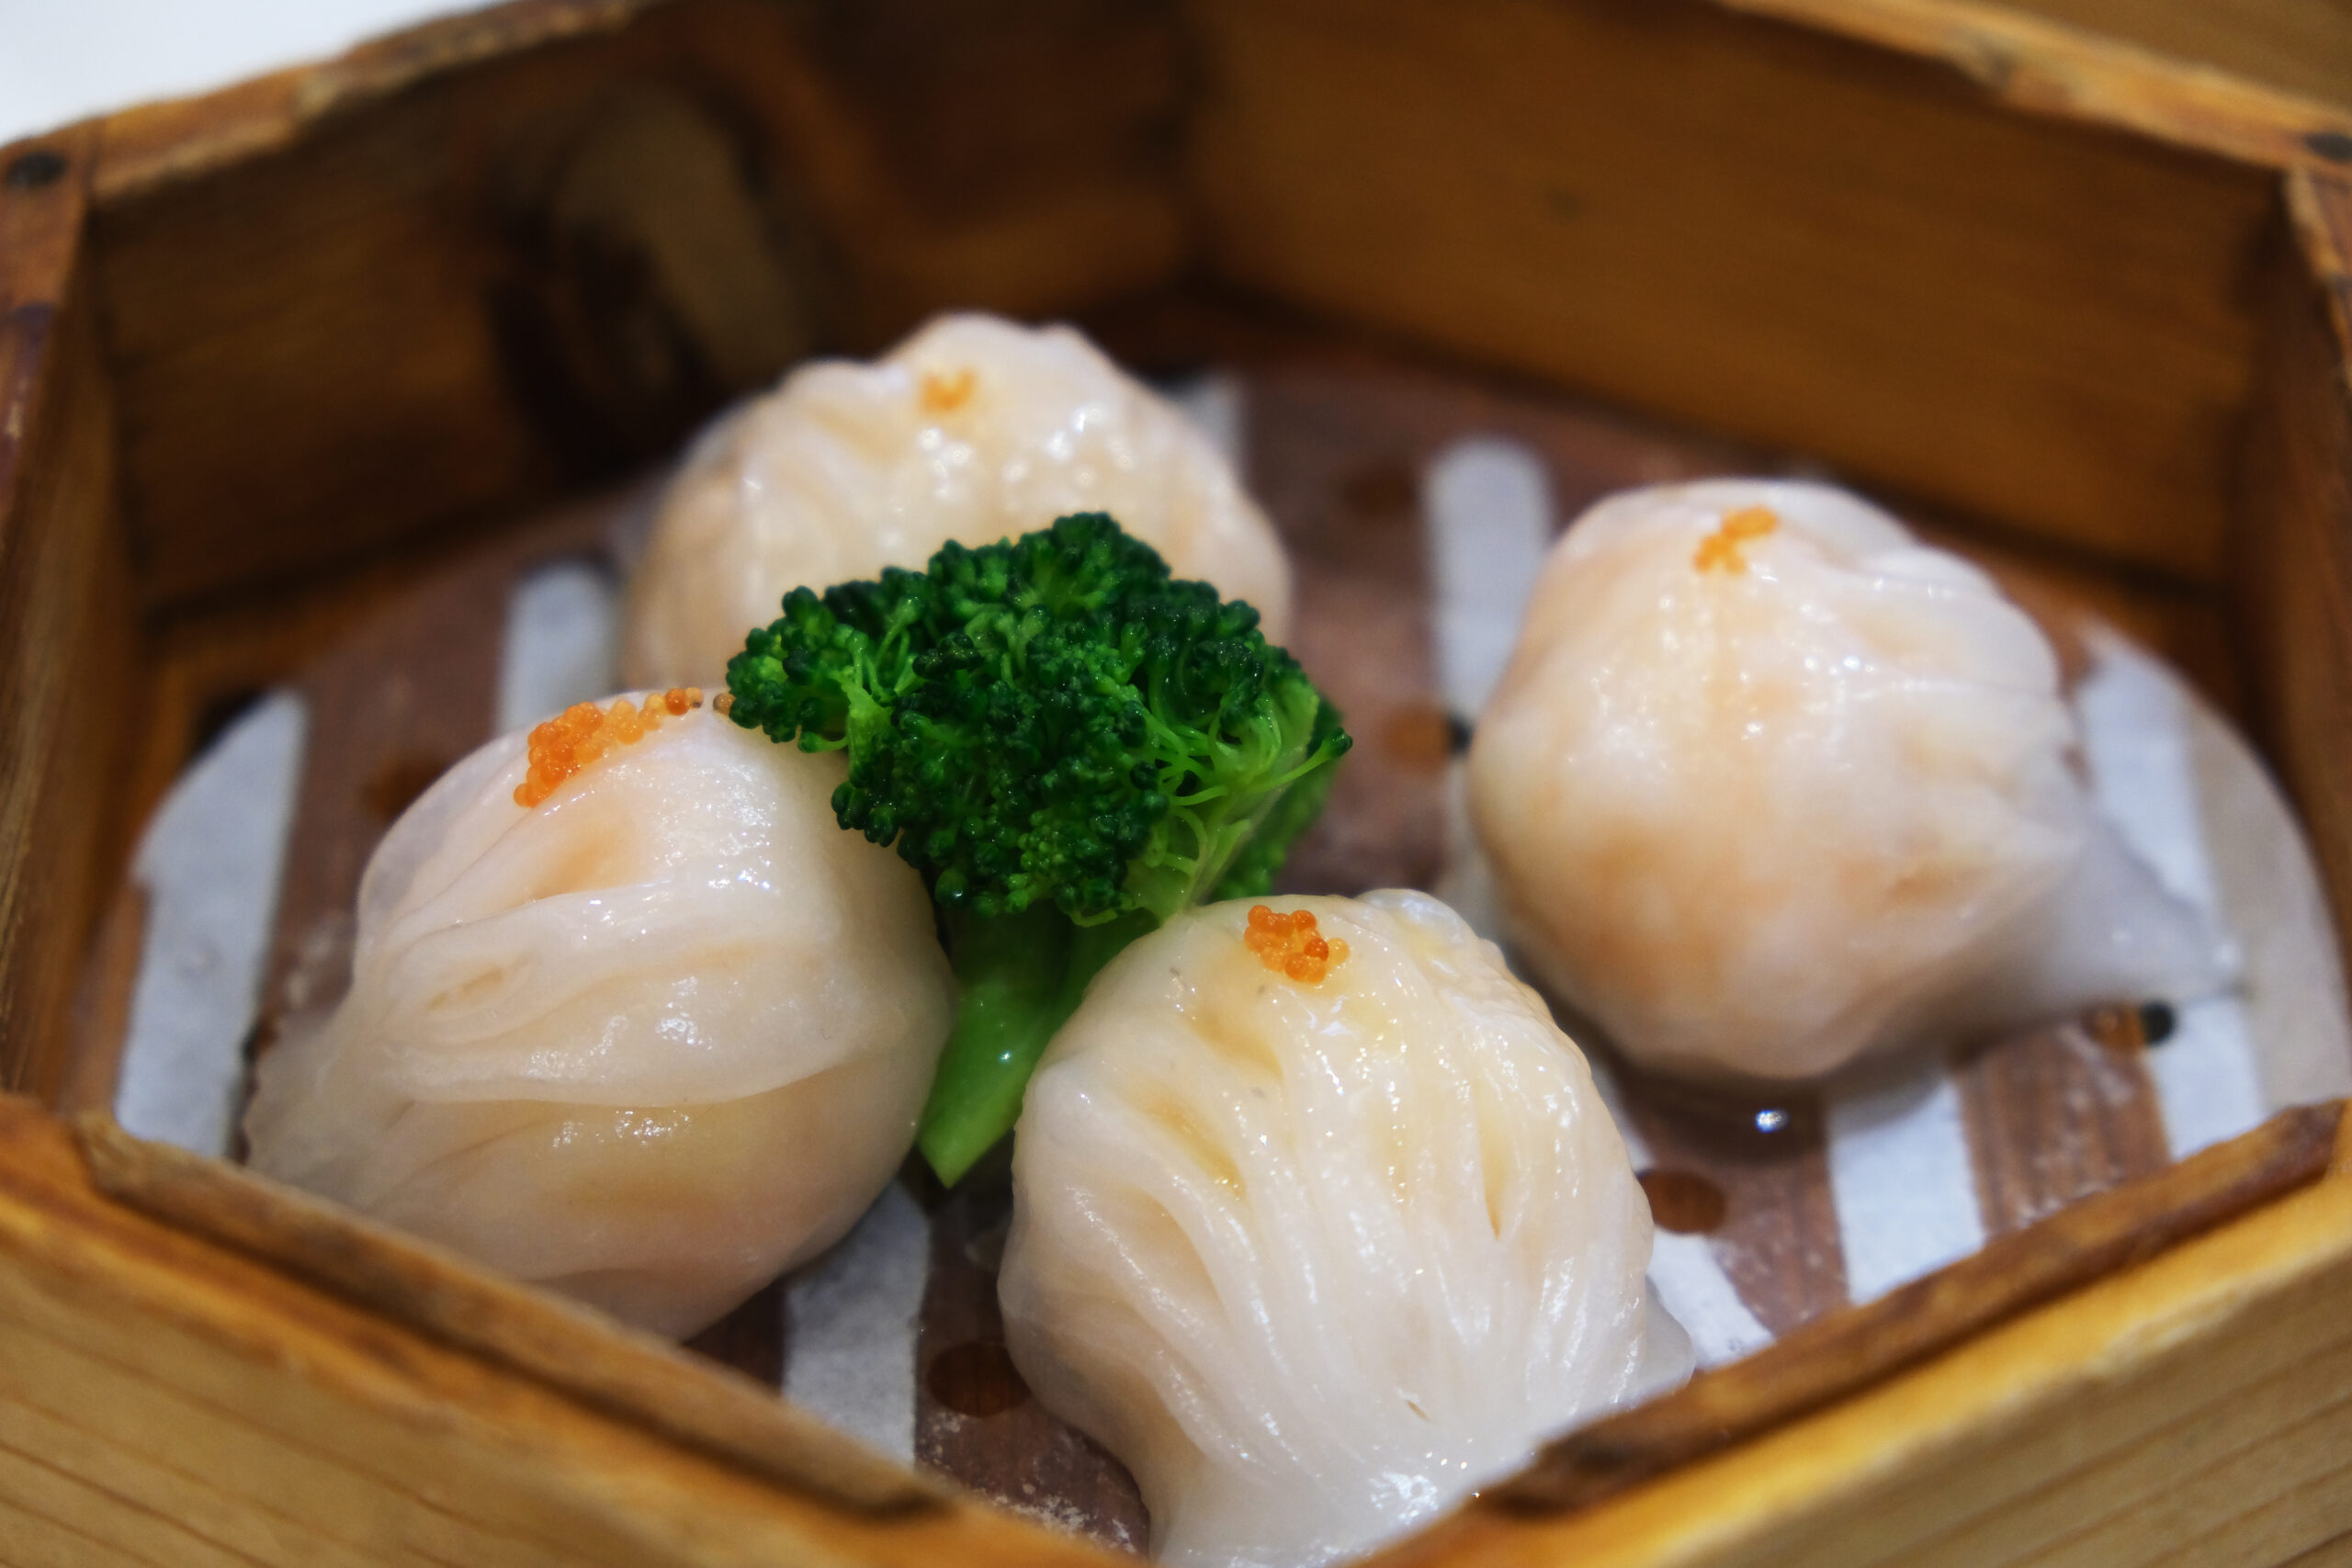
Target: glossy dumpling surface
(1316, 1259)
(1769, 784)
(973, 430)
(648, 1042)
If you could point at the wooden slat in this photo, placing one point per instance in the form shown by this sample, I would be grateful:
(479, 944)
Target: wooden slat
(1745, 225)
(290, 1400)
(2320, 209)
(975, 1418)
(2294, 509)
(45, 1420)
(136, 1421)
(408, 690)
(1339, 474)
(2260, 1439)
(178, 139)
(257, 315)
(102, 1005)
(549, 266)
(1777, 1240)
(587, 1355)
(2333, 1553)
(1806, 1370)
(44, 1542)
(2301, 46)
(2053, 1115)
(68, 643)
(116, 1526)
(1011, 155)
(2097, 1405)
(2150, 67)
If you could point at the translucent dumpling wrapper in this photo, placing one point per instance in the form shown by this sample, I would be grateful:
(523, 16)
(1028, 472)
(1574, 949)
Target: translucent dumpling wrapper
(1770, 785)
(973, 430)
(650, 1042)
(1317, 1258)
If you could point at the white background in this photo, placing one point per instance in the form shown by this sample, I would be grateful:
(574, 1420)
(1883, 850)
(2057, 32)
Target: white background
(61, 60)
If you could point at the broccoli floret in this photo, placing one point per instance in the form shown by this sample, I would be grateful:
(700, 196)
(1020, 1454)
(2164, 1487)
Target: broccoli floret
(1071, 745)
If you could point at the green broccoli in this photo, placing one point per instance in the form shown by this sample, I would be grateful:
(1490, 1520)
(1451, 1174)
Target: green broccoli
(1071, 746)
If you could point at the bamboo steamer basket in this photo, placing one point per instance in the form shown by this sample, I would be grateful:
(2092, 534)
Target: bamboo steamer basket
(272, 358)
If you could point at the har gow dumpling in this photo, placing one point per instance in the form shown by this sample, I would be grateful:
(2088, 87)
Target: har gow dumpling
(973, 430)
(1770, 785)
(1316, 1243)
(650, 1040)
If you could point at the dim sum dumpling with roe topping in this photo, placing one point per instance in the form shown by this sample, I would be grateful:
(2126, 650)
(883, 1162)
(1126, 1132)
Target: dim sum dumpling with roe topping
(630, 1016)
(975, 429)
(1319, 1224)
(1768, 785)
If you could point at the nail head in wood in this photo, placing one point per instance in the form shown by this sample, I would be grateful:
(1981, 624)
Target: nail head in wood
(34, 170)
(2334, 145)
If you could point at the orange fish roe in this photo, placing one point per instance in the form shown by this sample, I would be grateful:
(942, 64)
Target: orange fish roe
(1289, 945)
(945, 394)
(584, 732)
(1722, 546)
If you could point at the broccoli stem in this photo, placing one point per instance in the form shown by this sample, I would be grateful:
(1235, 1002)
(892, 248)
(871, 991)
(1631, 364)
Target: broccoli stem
(1019, 977)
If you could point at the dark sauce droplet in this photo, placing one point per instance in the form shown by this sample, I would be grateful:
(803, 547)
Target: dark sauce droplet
(2333, 145)
(33, 170)
(978, 1379)
(2127, 1029)
(2117, 1029)
(1683, 1202)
